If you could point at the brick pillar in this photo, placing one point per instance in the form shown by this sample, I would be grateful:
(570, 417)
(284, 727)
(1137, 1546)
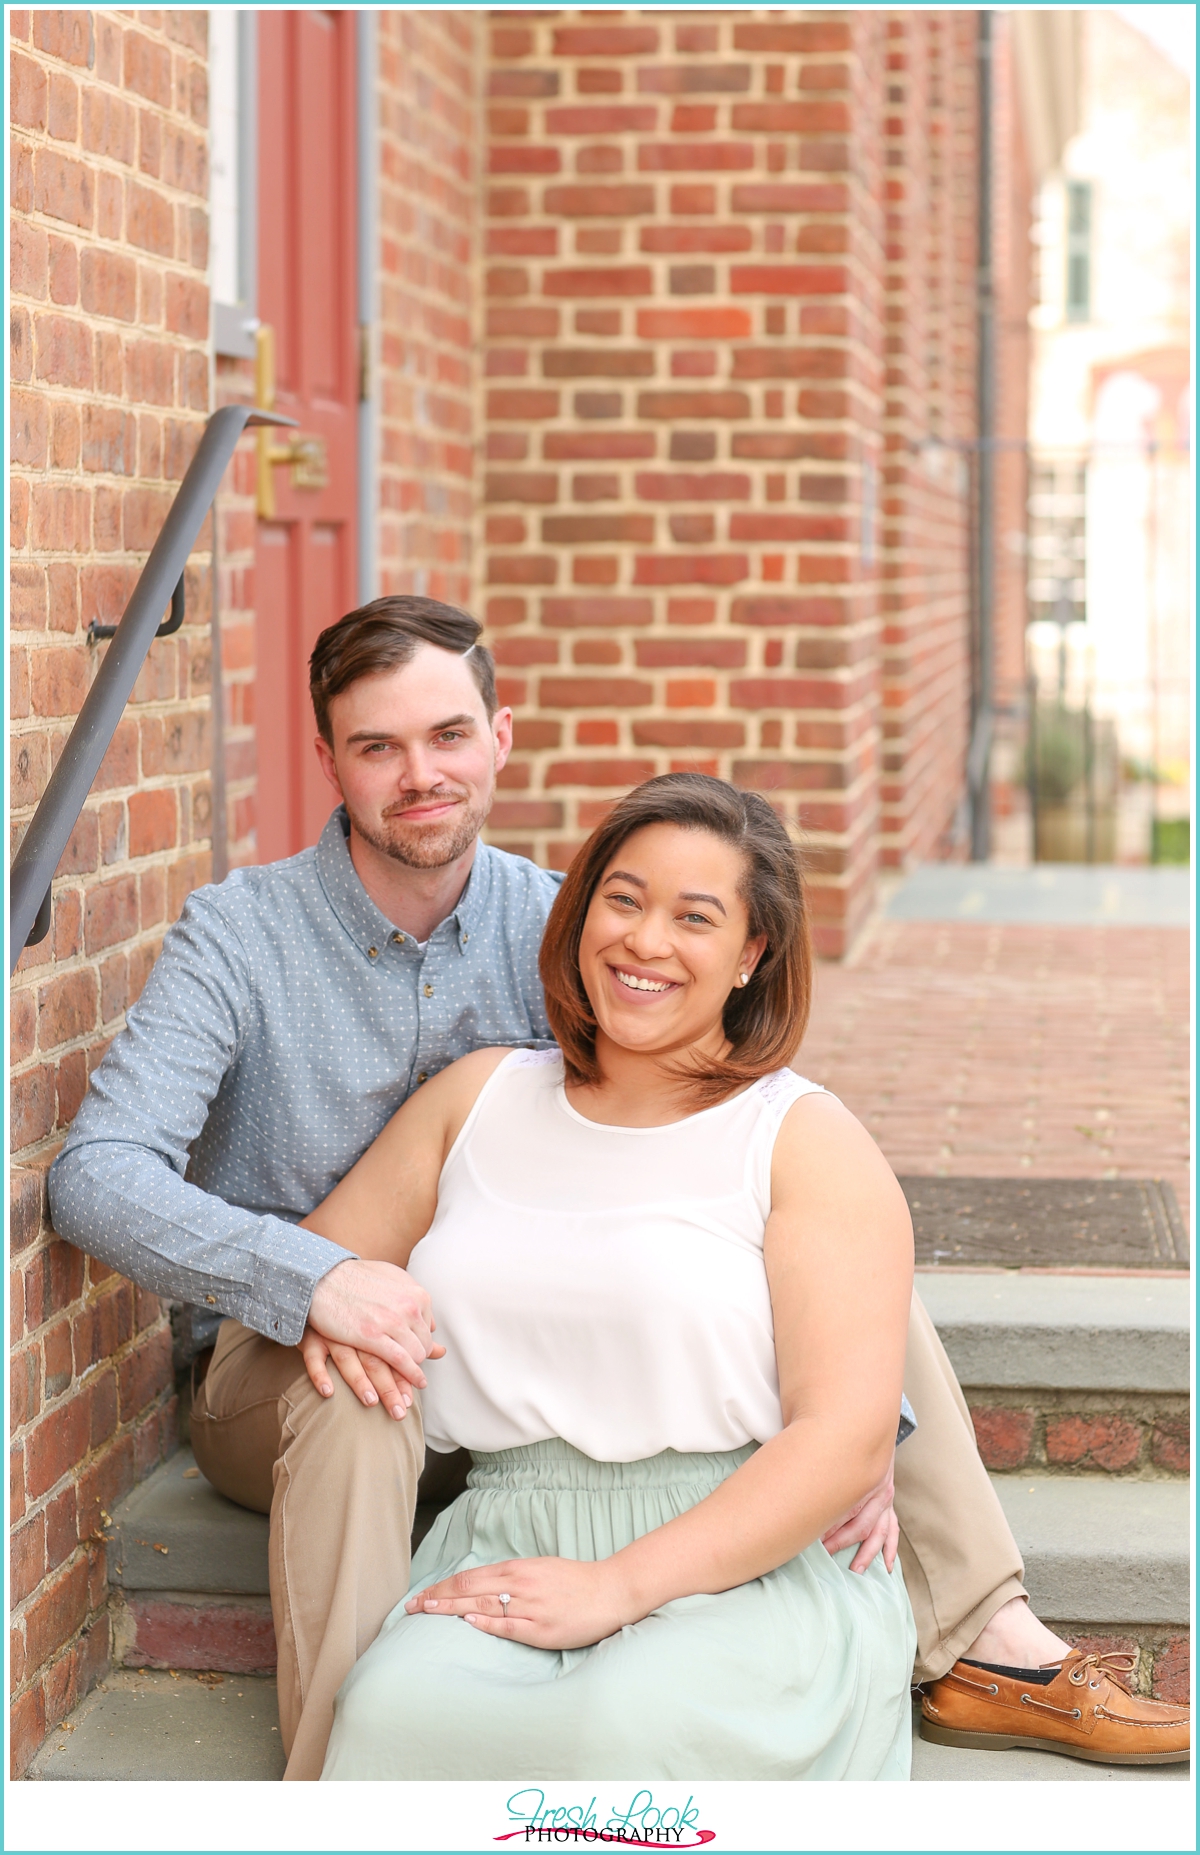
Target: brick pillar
(109, 372)
(929, 421)
(428, 129)
(683, 417)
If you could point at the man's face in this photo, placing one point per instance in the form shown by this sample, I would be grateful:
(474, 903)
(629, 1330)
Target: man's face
(415, 758)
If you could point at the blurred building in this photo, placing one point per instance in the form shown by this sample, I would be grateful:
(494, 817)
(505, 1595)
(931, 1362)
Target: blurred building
(1110, 481)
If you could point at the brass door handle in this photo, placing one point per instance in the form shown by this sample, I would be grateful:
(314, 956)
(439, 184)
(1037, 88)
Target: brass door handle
(307, 453)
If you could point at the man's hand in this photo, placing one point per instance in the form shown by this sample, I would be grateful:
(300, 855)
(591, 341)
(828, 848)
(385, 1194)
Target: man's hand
(873, 1522)
(378, 1311)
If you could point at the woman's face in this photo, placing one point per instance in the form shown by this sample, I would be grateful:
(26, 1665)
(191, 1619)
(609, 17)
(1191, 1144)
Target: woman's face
(666, 940)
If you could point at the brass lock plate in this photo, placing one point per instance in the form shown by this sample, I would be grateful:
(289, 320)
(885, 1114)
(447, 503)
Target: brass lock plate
(310, 462)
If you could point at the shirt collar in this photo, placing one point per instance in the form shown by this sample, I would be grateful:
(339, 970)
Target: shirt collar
(366, 924)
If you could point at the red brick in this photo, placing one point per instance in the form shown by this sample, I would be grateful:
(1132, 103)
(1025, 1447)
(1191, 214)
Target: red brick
(1110, 1442)
(790, 197)
(235, 1636)
(510, 159)
(111, 913)
(28, 92)
(1004, 1436)
(593, 363)
(812, 35)
(523, 84)
(599, 201)
(627, 280)
(594, 692)
(521, 486)
(1170, 1445)
(525, 814)
(67, 1008)
(788, 279)
(715, 323)
(57, 1612)
(27, 1729)
(148, 69)
(600, 119)
(604, 41)
(153, 822)
(1172, 1672)
(64, 351)
(692, 733)
(108, 281)
(62, 116)
(63, 188)
(598, 772)
(791, 118)
(31, 1106)
(687, 486)
(559, 446)
(693, 405)
(681, 569)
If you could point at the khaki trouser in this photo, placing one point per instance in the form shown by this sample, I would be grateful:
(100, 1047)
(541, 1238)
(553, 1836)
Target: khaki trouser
(340, 1484)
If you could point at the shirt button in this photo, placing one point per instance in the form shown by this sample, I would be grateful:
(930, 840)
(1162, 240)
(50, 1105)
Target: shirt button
(424, 1076)
(429, 991)
(397, 940)
(212, 1300)
(372, 953)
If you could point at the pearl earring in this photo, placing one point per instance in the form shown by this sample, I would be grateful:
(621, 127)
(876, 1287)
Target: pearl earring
(745, 978)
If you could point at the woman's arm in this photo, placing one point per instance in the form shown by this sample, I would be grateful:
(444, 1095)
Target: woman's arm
(839, 1261)
(382, 1209)
(385, 1204)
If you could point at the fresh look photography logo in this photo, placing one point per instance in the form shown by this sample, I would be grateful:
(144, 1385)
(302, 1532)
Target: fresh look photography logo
(645, 1822)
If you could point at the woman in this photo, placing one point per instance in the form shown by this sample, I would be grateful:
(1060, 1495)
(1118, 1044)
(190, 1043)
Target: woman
(673, 1281)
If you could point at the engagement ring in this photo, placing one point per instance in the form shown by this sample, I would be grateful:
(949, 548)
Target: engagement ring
(505, 1601)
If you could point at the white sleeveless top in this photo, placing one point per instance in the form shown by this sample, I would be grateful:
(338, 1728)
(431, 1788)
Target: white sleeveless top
(602, 1284)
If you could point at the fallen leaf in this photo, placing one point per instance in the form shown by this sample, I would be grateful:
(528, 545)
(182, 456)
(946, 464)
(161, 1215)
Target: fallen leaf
(190, 1474)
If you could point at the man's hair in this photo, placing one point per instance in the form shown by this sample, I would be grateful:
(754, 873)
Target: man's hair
(386, 634)
(764, 1021)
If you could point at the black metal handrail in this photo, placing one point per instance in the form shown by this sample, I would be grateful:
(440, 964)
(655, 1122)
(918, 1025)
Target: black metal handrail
(161, 579)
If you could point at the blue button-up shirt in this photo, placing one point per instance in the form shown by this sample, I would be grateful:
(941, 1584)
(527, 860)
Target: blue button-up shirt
(284, 1023)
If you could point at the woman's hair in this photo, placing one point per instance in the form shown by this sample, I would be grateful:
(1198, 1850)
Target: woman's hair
(763, 1021)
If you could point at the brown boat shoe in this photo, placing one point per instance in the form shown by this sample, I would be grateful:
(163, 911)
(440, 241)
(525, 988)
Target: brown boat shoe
(1085, 1711)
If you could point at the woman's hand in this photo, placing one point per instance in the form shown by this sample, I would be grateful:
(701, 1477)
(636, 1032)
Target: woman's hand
(371, 1381)
(873, 1522)
(552, 1603)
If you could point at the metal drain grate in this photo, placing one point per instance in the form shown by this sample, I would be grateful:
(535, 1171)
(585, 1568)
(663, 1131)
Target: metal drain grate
(1047, 1223)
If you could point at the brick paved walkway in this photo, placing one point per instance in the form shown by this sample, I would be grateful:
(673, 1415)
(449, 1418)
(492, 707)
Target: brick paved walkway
(996, 1050)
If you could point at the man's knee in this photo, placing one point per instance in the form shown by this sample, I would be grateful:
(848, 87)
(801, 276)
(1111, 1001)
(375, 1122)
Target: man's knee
(352, 1437)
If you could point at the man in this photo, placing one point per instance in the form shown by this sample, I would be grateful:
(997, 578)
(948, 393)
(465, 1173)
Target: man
(292, 1010)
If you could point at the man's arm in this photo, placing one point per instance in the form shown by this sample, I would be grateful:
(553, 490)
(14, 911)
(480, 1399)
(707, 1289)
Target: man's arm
(118, 1189)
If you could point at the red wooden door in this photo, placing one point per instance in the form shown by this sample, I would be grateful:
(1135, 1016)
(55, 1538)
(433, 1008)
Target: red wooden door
(306, 550)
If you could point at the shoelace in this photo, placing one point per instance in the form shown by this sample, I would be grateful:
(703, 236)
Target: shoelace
(1119, 1668)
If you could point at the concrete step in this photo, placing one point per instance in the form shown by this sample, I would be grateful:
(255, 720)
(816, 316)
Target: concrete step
(1102, 1552)
(1006, 1328)
(155, 1726)
(151, 1726)
(1078, 1374)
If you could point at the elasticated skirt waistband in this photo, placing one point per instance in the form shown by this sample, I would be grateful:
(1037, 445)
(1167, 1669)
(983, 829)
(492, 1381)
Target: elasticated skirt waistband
(554, 1464)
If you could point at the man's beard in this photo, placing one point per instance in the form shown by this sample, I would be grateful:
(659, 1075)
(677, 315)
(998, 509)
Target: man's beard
(425, 847)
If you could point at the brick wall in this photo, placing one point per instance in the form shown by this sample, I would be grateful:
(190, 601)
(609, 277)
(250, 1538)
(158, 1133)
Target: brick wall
(426, 363)
(109, 375)
(688, 321)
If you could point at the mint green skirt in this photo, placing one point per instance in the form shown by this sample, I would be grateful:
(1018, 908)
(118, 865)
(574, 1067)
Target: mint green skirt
(803, 1673)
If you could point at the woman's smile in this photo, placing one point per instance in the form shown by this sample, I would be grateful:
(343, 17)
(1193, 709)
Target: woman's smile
(641, 980)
